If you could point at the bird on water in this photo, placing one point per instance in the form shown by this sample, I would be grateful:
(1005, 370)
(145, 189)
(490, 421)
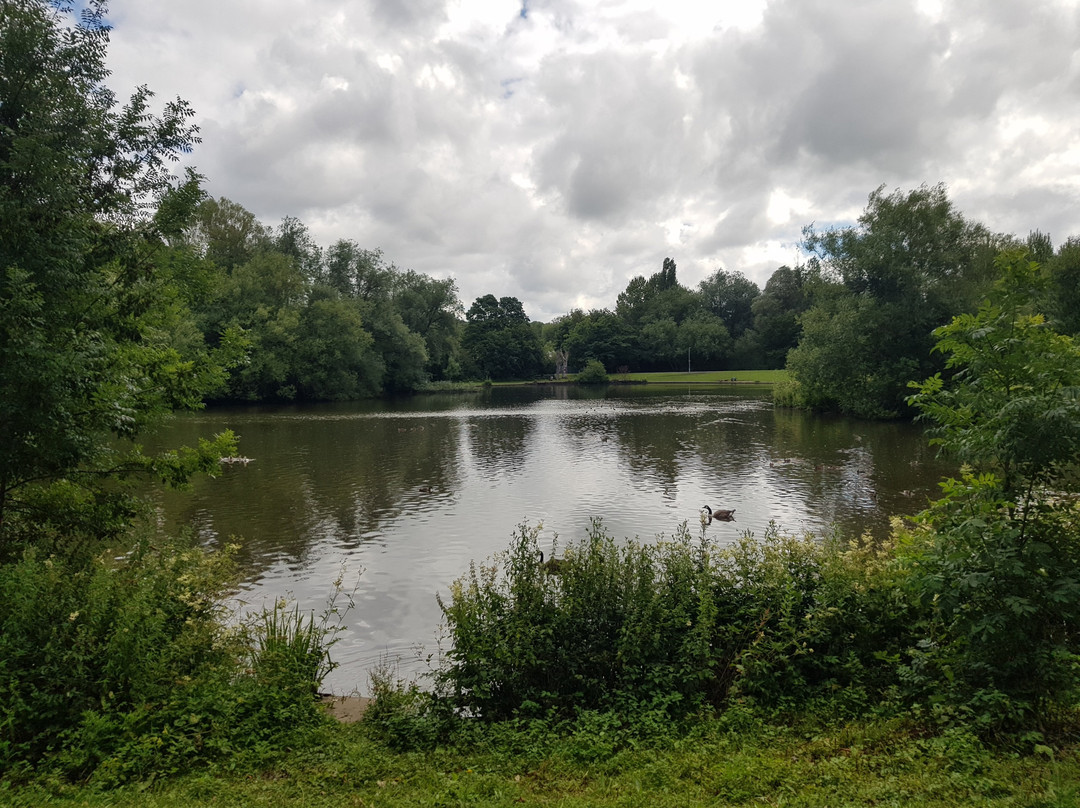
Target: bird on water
(719, 515)
(553, 565)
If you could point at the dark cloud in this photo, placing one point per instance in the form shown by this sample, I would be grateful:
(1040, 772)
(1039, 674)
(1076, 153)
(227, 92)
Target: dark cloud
(617, 140)
(414, 16)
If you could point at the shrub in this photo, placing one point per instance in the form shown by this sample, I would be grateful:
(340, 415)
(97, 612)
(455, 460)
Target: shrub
(593, 373)
(401, 714)
(124, 668)
(829, 619)
(1001, 590)
(996, 561)
(673, 626)
(788, 393)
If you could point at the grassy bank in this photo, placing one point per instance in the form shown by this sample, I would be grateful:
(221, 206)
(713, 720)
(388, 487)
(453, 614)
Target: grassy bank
(736, 760)
(674, 377)
(709, 377)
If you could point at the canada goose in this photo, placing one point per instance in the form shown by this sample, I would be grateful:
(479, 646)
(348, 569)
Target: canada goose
(720, 515)
(553, 566)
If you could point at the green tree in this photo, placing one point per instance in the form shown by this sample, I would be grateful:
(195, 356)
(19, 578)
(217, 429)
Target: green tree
(998, 565)
(294, 240)
(776, 315)
(227, 233)
(706, 337)
(355, 272)
(264, 297)
(1012, 405)
(730, 296)
(87, 207)
(633, 300)
(335, 355)
(498, 341)
(601, 335)
(661, 297)
(659, 343)
(910, 264)
(401, 350)
(1063, 269)
(845, 362)
(430, 307)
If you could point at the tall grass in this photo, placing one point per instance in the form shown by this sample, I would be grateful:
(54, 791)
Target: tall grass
(128, 668)
(674, 626)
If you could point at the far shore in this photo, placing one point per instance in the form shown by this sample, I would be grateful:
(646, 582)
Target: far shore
(709, 377)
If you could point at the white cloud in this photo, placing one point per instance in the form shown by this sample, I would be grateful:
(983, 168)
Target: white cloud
(552, 149)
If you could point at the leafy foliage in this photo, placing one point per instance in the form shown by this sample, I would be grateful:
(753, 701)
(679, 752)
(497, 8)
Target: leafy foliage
(776, 328)
(94, 336)
(123, 669)
(996, 559)
(730, 296)
(593, 373)
(1013, 404)
(883, 286)
(498, 342)
(673, 626)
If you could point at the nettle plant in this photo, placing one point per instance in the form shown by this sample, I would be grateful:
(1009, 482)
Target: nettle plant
(996, 561)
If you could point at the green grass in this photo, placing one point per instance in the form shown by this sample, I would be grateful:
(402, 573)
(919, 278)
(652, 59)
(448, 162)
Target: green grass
(708, 377)
(716, 765)
(678, 377)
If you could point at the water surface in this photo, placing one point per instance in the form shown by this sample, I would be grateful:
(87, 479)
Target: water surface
(405, 493)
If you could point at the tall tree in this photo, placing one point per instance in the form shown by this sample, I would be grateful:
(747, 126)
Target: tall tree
(430, 307)
(997, 565)
(227, 233)
(293, 239)
(730, 296)
(1063, 269)
(603, 336)
(498, 341)
(356, 272)
(660, 297)
(910, 264)
(776, 315)
(87, 204)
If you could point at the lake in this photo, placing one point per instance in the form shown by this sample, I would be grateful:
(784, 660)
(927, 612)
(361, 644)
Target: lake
(401, 495)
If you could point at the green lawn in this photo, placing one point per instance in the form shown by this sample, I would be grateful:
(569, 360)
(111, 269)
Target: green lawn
(675, 377)
(708, 377)
(715, 765)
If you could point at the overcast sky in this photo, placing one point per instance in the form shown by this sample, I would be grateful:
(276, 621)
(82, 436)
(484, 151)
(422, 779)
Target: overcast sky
(553, 149)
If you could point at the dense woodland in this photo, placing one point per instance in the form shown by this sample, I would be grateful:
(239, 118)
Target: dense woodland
(853, 323)
(126, 293)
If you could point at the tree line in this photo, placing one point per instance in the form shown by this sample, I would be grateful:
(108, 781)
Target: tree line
(343, 322)
(852, 323)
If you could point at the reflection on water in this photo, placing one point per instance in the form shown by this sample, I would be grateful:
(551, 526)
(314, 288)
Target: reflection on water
(410, 491)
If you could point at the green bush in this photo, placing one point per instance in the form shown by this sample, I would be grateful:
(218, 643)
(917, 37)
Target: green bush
(788, 393)
(124, 668)
(829, 619)
(996, 561)
(1000, 643)
(673, 626)
(402, 715)
(593, 373)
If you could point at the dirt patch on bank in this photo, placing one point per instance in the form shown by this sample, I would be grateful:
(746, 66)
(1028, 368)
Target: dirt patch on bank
(346, 709)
